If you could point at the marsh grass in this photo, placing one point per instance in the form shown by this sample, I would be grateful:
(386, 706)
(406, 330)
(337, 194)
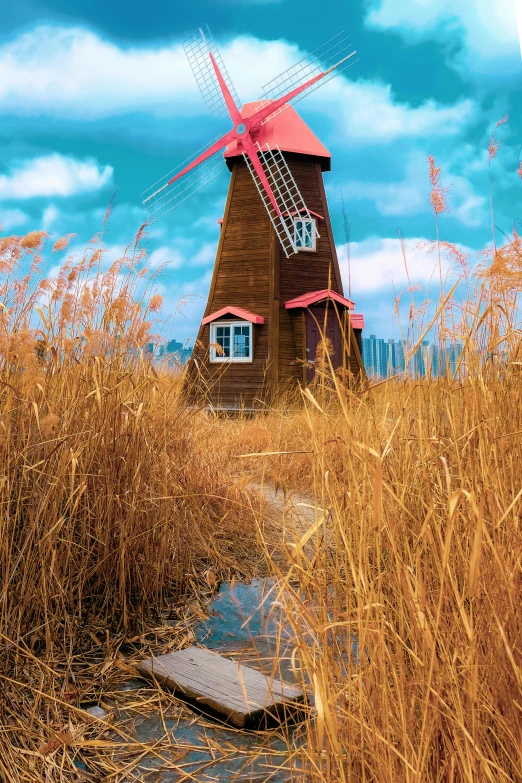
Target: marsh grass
(415, 552)
(108, 511)
(403, 592)
(417, 556)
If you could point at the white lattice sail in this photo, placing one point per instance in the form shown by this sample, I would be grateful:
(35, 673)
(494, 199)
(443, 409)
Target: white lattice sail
(197, 48)
(332, 58)
(162, 197)
(287, 195)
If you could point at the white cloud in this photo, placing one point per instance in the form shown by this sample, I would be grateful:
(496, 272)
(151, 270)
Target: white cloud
(53, 175)
(471, 161)
(390, 198)
(73, 73)
(205, 255)
(50, 216)
(368, 113)
(360, 110)
(166, 257)
(377, 264)
(410, 196)
(78, 251)
(169, 257)
(12, 218)
(485, 31)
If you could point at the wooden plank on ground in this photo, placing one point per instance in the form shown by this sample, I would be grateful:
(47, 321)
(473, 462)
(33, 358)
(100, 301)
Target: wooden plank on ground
(241, 695)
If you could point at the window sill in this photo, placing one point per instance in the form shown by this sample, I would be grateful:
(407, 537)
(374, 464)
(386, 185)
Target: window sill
(228, 360)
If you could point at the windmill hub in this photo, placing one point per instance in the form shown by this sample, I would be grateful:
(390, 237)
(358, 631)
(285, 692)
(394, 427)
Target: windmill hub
(241, 128)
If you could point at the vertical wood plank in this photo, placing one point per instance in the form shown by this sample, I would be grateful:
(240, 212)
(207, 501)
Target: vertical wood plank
(333, 249)
(215, 272)
(273, 324)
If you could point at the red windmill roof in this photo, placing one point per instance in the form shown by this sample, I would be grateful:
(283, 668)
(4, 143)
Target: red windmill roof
(288, 131)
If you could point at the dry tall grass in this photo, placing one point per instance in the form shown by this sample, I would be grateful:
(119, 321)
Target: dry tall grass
(415, 557)
(112, 494)
(105, 510)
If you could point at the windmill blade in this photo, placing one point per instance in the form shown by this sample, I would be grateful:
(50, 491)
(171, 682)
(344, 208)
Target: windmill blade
(287, 195)
(332, 58)
(162, 198)
(197, 48)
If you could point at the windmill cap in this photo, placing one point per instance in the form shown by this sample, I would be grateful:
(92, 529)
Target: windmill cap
(288, 131)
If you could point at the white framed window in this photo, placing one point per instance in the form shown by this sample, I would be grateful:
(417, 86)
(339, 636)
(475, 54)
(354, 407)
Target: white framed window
(231, 341)
(305, 233)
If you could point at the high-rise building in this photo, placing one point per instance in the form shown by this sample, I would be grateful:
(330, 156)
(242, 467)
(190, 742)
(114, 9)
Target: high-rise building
(400, 357)
(368, 354)
(173, 352)
(382, 358)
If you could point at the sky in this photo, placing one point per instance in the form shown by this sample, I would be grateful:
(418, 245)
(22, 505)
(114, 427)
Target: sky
(96, 97)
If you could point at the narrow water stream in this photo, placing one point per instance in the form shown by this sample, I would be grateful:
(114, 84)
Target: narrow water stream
(241, 626)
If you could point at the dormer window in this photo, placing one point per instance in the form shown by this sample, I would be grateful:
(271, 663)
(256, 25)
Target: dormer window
(305, 233)
(231, 342)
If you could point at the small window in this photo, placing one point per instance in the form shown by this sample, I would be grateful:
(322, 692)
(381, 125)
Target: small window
(231, 341)
(305, 233)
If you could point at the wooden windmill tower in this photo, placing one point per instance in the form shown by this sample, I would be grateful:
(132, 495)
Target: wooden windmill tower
(276, 290)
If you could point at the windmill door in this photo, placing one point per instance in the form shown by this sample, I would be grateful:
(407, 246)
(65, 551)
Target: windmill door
(317, 327)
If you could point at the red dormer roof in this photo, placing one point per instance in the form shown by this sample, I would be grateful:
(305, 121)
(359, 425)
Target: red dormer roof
(240, 312)
(306, 300)
(287, 131)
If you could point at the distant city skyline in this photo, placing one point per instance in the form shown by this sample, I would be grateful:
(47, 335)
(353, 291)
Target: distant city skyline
(172, 351)
(383, 358)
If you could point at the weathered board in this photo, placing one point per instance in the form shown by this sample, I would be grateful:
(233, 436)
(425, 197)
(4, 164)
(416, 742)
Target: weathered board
(242, 696)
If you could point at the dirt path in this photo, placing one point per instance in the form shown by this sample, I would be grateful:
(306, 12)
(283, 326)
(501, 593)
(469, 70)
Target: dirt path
(294, 507)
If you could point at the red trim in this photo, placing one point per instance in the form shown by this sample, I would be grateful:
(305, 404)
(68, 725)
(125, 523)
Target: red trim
(298, 212)
(357, 320)
(305, 300)
(246, 315)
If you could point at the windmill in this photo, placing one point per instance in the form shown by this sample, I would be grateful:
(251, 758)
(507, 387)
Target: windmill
(276, 289)
(268, 168)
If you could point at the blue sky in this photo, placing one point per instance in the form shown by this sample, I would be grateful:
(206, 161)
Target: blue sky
(97, 97)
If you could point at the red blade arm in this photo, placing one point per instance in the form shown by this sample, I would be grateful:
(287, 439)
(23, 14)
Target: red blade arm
(266, 111)
(222, 142)
(231, 106)
(227, 138)
(249, 148)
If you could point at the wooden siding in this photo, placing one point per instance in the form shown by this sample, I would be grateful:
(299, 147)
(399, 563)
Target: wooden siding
(352, 353)
(299, 324)
(252, 272)
(307, 270)
(241, 277)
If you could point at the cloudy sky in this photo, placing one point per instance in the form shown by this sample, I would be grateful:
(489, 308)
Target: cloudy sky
(97, 97)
